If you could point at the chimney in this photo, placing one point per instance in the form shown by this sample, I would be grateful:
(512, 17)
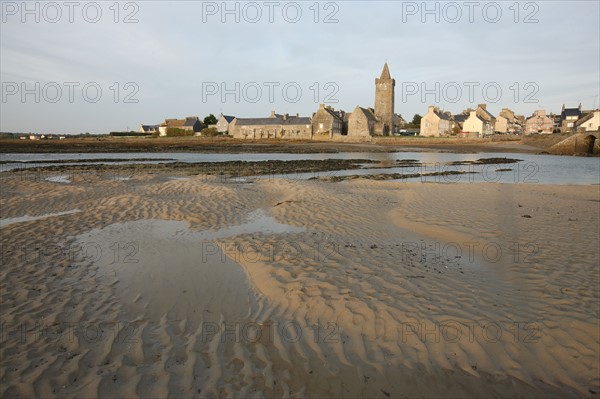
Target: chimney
(482, 106)
(285, 116)
(272, 114)
(321, 106)
(431, 108)
(297, 115)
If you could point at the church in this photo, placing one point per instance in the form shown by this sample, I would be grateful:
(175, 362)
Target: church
(381, 120)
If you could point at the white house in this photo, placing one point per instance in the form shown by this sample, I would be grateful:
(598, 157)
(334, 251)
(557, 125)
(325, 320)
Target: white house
(474, 124)
(148, 129)
(590, 122)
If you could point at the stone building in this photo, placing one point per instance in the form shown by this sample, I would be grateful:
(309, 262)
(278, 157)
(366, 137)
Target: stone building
(508, 122)
(361, 122)
(190, 123)
(486, 116)
(399, 123)
(539, 122)
(435, 123)
(384, 103)
(274, 127)
(223, 123)
(326, 121)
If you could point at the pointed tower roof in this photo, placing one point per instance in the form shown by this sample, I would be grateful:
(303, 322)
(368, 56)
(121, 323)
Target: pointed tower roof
(385, 74)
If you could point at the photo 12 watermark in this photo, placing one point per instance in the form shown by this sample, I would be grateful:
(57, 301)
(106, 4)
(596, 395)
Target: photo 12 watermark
(72, 257)
(452, 331)
(453, 12)
(69, 92)
(454, 252)
(53, 12)
(272, 92)
(253, 12)
(454, 92)
(115, 331)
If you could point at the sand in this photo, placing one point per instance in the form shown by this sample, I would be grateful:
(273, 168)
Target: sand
(203, 287)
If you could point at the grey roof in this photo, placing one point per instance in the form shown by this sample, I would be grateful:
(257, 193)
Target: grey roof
(296, 120)
(149, 127)
(291, 120)
(190, 121)
(257, 121)
(488, 113)
(228, 118)
(571, 112)
(442, 115)
(335, 114)
(460, 118)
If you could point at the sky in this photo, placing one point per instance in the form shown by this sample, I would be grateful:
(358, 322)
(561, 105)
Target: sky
(110, 66)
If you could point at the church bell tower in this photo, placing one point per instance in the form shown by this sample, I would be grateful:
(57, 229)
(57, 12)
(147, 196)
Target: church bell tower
(384, 102)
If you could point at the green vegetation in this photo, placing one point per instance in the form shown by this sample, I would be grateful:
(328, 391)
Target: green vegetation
(415, 123)
(210, 120)
(210, 132)
(177, 132)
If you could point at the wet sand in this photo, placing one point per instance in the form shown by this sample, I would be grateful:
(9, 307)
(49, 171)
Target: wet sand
(205, 287)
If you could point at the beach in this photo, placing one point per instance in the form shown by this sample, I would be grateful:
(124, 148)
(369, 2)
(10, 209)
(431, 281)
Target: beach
(154, 283)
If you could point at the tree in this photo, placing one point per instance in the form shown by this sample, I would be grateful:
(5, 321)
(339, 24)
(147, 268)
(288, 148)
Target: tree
(210, 120)
(416, 122)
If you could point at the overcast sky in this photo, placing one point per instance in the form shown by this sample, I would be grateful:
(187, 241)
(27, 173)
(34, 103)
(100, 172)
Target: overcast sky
(174, 59)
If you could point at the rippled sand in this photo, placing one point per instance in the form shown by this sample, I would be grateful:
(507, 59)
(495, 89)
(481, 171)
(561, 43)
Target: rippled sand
(212, 288)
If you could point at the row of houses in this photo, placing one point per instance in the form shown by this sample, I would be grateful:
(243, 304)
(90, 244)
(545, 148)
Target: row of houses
(326, 122)
(480, 122)
(569, 120)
